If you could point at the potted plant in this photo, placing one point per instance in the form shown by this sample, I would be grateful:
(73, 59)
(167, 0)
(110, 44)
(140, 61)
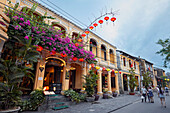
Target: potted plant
(9, 88)
(115, 93)
(132, 82)
(89, 85)
(105, 93)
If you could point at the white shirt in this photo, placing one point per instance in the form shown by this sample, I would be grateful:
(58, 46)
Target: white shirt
(143, 90)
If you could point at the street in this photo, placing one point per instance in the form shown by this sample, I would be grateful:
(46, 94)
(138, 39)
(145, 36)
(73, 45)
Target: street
(139, 107)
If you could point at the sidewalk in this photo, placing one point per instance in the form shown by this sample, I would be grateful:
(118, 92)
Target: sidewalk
(101, 106)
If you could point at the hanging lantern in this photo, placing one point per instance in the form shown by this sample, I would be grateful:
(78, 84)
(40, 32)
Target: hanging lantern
(63, 55)
(46, 88)
(87, 32)
(120, 72)
(100, 22)
(91, 27)
(83, 35)
(81, 59)
(52, 52)
(113, 19)
(108, 69)
(92, 65)
(79, 40)
(74, 58)
(165, 79)
(97, 67)
(116, 72)
(95, 24)
(106, 18)
(104, 68)
(113, 70)
(39, 48)
(131, 65)
(90, 42)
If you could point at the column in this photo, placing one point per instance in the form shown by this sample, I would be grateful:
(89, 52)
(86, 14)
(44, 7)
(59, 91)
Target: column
(109, 82)
(63, 78)
(99, 83)
(99, 52)
(117, 82)
(66, 82)
(108, 56)
(83, 73)
(39, 78)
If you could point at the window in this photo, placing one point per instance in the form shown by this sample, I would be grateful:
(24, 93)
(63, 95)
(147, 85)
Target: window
(130, 64)
(124, 61)
(134, 65)
(113, 82)
(103, 52)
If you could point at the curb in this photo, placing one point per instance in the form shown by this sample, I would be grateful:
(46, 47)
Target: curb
(123, 106)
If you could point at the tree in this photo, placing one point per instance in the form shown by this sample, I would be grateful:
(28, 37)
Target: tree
(165, 51)
(146, 79)
(132, 82)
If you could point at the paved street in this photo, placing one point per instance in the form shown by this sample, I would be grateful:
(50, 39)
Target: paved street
(121, 104)
(139, 107)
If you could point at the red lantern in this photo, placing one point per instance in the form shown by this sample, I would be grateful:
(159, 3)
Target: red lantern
(100, 21)
(39, 48)
(95, 24)
(92, 65)
(113, 19)
(131, 65)
(113, 70)
(83, 35)
(87, 32)
(79, 40)
(104, 68)
(74, 58)
(120, 72)
(81, 59)
(91, 27)
(52, 52)
(90, 42)
(106, 18)
(63, 55)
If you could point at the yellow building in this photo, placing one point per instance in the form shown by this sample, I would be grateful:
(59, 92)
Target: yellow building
(56, 72)
(125, 63)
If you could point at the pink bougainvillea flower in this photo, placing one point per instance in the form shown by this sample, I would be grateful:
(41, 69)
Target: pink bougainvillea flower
(22, 19)
(26, 37)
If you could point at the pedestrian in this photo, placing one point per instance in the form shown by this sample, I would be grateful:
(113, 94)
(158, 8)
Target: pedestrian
(162, 97)
(157, 90)
(150, 94)
(143, 92)
(166, 91)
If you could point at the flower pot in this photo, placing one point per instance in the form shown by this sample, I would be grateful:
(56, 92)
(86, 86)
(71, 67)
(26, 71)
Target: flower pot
(14, 110)
(96, 97)
(114, 94)
(90, 99)
(131, 93)
(105, 96)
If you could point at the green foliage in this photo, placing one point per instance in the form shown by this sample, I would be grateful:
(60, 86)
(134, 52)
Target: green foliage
(37, 97)
(74, 95)
(90, 83)
(165, 51)
(146, 79)
(132, 82)
(10, 92)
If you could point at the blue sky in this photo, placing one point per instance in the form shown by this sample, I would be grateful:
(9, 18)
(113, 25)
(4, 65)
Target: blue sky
(139, 25)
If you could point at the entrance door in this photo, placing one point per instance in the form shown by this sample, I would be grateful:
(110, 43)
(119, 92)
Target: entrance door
(72, 79)
(125, 83)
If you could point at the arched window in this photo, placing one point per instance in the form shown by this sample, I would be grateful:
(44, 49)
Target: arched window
(103, 52)
(111, 56)
(59, 27)
(93, 46)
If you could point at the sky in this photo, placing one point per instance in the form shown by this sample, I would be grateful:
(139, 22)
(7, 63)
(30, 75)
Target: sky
(139, 23)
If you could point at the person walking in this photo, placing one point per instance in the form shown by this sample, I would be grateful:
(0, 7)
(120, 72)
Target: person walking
(150, 95)
(162, 97)
(143, 91)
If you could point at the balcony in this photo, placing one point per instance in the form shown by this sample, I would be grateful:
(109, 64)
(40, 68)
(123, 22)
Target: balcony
(103, 63)
(112, 65)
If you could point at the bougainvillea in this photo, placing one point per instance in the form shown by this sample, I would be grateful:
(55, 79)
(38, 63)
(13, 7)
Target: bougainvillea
(26, 25)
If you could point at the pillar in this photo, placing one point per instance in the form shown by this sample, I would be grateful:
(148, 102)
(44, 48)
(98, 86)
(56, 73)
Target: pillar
(83, 73)
(117, 83)
(39, 78)
(99, 83)
(63, 78)
(108, 56)
(99, 52)
(109, 82)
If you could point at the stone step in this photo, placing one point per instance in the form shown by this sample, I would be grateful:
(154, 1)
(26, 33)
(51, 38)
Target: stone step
(60, 107)
(59, 103)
